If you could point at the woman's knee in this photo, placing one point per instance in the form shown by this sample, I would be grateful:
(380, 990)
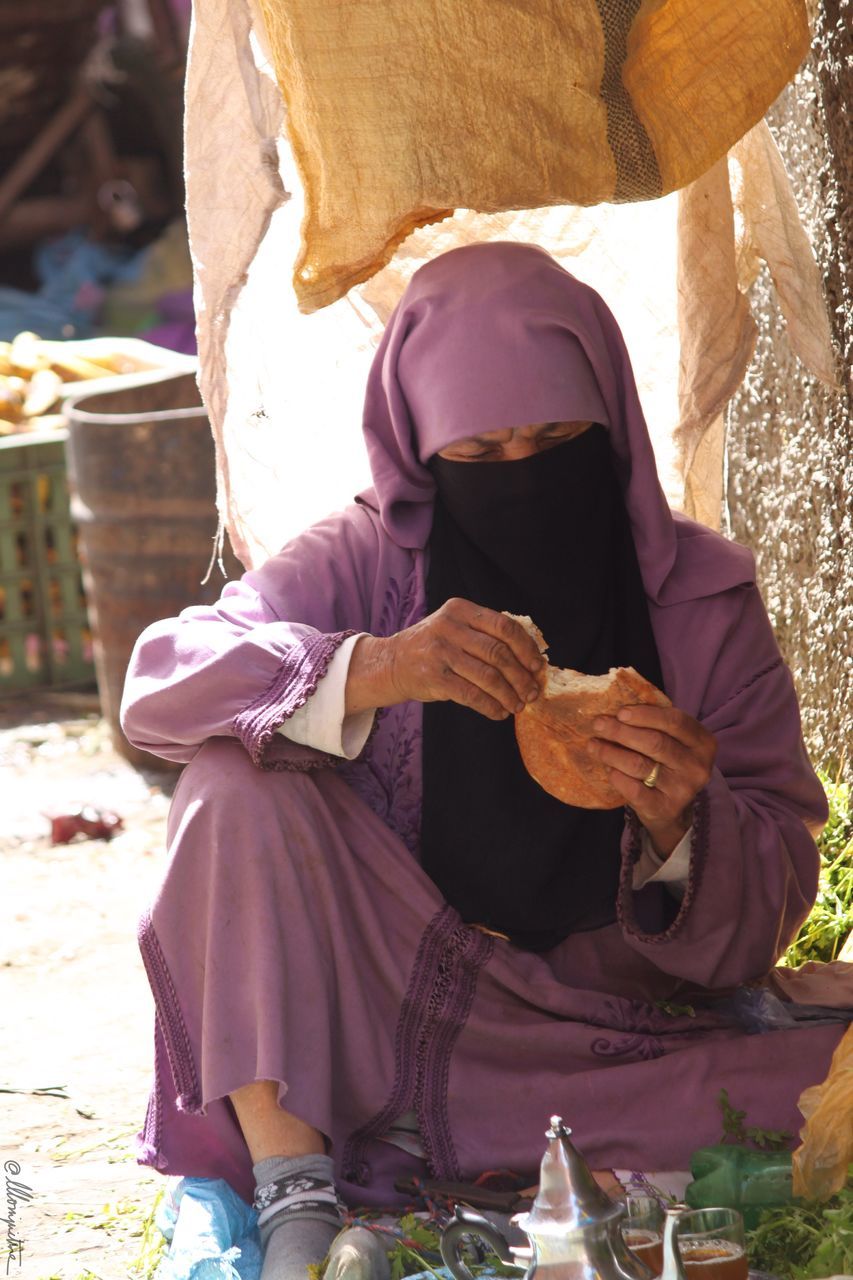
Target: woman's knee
(222, 782)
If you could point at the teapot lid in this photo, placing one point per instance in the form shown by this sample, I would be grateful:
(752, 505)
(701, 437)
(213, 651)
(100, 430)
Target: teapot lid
(568, 1194)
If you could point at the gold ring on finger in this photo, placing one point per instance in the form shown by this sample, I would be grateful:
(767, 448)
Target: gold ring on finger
(651, 778)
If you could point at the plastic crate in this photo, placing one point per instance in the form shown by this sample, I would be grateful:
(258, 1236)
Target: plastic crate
(45, 639)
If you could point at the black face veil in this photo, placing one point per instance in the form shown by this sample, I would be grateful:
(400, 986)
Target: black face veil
(546, 536)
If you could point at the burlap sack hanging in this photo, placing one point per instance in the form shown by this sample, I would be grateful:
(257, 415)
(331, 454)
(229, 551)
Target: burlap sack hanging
(399, 111)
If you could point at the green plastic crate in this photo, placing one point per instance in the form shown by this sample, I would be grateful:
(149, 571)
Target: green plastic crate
(45, 639)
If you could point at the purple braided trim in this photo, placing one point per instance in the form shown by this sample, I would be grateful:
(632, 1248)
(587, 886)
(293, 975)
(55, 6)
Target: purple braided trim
(175, 1036)
(315, 759)
(432, 943)
(447, 1012)
(432, 985)
(301, 670)
(148, 1141)
(699, 841)
(319, 760)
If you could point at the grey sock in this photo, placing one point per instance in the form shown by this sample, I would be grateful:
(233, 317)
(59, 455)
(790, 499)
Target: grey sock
(299, 1213)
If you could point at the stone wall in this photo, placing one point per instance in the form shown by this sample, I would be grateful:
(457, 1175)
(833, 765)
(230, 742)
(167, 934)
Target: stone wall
(789, 480)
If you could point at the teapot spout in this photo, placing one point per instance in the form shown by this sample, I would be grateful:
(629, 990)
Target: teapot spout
(673, 1268)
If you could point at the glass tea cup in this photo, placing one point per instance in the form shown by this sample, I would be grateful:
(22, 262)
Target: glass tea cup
(642, 1230)
(711, 1245)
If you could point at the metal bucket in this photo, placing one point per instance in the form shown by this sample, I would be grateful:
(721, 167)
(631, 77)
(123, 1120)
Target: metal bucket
(141, 471)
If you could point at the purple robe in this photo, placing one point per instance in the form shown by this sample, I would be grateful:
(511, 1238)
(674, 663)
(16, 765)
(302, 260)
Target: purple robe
(296, 937)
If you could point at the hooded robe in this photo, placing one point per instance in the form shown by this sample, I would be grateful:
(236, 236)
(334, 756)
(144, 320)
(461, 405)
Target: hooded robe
(297, 938)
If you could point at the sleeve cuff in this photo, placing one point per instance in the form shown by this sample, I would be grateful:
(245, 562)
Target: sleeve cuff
(321, 723)
(651, 868)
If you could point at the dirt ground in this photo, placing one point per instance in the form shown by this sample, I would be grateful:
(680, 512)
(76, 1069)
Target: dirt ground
(76, 1008)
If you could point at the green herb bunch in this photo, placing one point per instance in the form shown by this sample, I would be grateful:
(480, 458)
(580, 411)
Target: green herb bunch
(736, 1130)
(831, 919)
(806, 1240)
(419, 1250)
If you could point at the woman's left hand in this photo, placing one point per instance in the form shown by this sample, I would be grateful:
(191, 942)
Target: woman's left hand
(667, 747)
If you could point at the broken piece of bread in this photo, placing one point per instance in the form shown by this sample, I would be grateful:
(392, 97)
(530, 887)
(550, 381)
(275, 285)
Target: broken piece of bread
(553, 732)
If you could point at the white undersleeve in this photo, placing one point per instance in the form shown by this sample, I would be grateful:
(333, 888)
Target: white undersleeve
(321, 723)
(673, 871)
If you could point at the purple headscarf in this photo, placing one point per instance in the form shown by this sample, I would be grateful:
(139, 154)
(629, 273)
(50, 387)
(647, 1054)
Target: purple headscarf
(500, 335)
(488, 337)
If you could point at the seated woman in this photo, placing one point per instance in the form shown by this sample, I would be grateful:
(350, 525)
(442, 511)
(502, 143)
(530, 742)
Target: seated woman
(380, 947)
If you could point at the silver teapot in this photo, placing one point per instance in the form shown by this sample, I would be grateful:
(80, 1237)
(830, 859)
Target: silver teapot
(574, 1228)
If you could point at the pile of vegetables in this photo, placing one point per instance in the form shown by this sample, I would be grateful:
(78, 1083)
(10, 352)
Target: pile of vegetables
(35, 374)
(831, 920)
(806, 1240)
(811, 1239)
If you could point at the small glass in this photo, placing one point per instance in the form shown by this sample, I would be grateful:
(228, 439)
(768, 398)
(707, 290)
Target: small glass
(642, 1230)
(711, 1244)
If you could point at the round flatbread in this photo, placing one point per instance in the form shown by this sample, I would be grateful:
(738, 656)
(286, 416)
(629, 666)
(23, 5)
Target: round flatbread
(553, 732)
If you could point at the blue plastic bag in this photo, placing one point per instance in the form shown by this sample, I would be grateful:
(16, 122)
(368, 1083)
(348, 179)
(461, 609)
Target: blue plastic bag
(213, 1233)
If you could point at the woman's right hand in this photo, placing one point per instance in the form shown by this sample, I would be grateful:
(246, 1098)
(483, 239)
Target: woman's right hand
(462, 653)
